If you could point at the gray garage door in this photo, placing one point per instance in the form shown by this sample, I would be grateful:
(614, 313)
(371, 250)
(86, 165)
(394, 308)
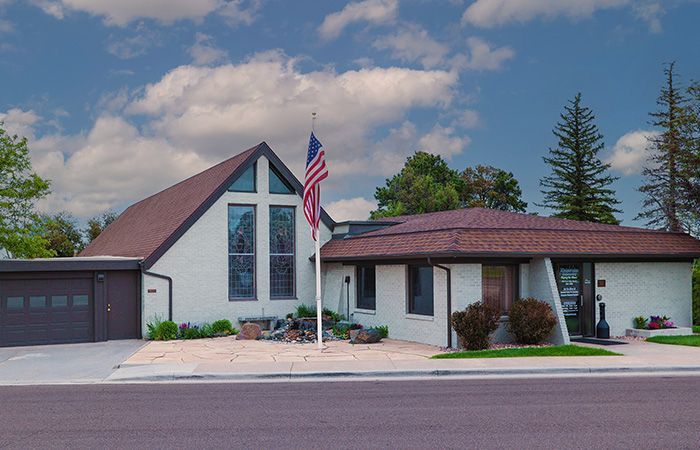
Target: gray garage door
(46, 311)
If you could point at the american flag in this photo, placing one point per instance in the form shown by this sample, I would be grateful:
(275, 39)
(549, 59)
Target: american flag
(316, 172)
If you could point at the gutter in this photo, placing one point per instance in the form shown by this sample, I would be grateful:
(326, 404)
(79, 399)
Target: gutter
(449, 299)
(170, 287)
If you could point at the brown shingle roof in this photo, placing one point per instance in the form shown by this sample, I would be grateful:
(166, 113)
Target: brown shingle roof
(145, 226)
(486, 232)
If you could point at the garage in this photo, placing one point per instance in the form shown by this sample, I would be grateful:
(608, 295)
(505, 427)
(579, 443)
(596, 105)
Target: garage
(69, 300)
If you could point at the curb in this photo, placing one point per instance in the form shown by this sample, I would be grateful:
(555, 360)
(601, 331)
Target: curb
(284, 376)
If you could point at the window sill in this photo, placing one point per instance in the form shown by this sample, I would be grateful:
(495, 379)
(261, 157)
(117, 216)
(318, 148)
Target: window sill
(242, 299)
(274, 299)
(372, 312)
(420, 317)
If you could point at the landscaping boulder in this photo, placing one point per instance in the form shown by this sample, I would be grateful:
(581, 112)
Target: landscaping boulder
(365, 336)
(250, 331)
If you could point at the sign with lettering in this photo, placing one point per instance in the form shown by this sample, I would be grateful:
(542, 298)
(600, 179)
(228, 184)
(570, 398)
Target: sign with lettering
(570, 308)
(569, 281)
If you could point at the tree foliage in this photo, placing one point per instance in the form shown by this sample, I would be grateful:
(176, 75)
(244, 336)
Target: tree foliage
(97, 224)
(690, 161)
(663, 204)
(62, 234)
(20, 189)
(491, 187)
(425, 184)
(579, 185)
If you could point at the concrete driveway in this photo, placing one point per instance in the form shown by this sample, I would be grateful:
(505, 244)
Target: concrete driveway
(65, 363)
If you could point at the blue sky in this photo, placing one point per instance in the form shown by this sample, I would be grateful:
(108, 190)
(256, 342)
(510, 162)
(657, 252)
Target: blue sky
(122, 99)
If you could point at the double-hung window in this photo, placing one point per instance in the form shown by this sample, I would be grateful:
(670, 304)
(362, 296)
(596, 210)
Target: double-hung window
(420, 290)
(282, 249)
(366, 288)
(241, 252)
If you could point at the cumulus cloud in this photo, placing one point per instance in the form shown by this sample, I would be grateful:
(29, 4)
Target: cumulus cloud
(468, 119)
(134, 46)
(195, 116)
(443, 141)
(122, 12)
(370, 11)
(629, 154)
(357, 208)
(650, 13)
(412, 43)
(204, 51)
(482, 56)
(491, 13)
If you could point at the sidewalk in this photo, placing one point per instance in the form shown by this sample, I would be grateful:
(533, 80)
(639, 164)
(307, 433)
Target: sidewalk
(393, 359)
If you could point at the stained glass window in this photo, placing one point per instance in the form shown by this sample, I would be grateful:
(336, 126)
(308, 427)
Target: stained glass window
(282, 251)
(241, 251)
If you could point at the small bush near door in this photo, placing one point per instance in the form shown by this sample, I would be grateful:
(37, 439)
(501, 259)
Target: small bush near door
(474, 325)
(161, 330)
(531, 321)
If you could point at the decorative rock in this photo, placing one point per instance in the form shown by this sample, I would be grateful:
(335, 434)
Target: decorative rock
(365, 336)
(250, 331)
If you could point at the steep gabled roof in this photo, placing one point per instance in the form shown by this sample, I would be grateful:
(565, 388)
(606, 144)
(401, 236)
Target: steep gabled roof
(480, 232)
(147, 229)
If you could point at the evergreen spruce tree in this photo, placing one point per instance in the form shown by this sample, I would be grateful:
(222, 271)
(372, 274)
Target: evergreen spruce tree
(579, 186)
(662, 206)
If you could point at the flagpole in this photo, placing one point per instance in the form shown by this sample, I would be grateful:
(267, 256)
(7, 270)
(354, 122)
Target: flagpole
(317, 243)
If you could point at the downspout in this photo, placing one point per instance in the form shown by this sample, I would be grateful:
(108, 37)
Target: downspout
(449, 299)
(170, 287)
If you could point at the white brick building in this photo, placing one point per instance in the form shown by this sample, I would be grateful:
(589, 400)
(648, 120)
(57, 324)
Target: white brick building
(232, 242)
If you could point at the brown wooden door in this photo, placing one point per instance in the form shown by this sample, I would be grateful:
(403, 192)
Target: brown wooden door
(122, 305)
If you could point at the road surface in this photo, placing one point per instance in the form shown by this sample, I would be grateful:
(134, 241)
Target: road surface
(624, 412)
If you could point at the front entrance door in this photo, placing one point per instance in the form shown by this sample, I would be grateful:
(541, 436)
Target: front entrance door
(574, 280)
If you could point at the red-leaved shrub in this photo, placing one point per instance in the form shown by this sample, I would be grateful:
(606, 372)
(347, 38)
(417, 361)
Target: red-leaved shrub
(530, 320)
(474, 325)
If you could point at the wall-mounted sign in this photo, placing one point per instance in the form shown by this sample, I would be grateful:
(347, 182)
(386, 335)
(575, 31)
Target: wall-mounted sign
(601, 283)
(152, 291)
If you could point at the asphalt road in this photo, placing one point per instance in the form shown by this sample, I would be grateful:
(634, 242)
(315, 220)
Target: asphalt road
(562, 413)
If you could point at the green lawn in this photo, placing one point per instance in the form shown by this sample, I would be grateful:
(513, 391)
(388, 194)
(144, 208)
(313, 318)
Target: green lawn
(555, 350)
(696, 329)
(692, 340)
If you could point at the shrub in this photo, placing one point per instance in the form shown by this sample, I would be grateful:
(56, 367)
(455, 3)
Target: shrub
(162, 330)
(188, 331)
(152, 326)
(206, 330)
(383, 330)
(334, 316)
(474, 325)
(640, 322)
(342, 330)
(305, 311)
(531, 321)
(222, 326)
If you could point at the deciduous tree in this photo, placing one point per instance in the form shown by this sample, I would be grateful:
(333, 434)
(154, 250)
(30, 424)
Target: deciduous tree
(491, 187)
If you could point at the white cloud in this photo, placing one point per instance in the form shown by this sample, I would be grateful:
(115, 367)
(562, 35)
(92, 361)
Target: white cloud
(357, 208)
(122, 12)
(196, 116)
(650, 13)
(19, 122)
(482, 56)
(204, 52)
(442, 141)
(412, 43)
(468, 119)
(490, 13)
(371, 11)
(629, 154)
(134, 46)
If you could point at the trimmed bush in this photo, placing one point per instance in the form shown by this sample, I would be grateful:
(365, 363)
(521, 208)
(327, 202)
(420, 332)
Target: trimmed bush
(222, 326)
(531, 321)
(474, 325)
(160, 330)
(206, 330)
(305, 311)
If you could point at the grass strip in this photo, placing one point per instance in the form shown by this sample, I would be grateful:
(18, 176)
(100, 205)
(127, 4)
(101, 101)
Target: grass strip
(554, 350)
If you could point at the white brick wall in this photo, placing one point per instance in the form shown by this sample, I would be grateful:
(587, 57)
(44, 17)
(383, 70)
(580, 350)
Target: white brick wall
(198, 263)
(543, 286)
(643, 289)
